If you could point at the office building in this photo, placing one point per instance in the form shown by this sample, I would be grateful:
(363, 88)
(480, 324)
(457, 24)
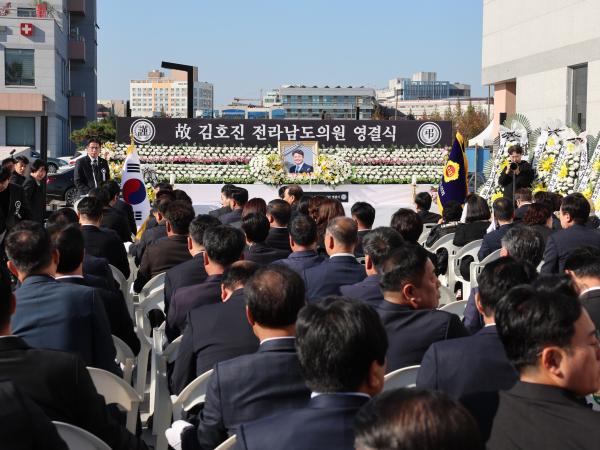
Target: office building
(48, 87)
(166, 96)
(546, 64)
(115, 108)
(422, 86)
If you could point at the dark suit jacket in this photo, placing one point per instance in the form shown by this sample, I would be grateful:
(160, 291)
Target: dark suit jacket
(160, 257)
(467, 365)
(591, 301)
(522, 180)
(327, 278)
(247, 388)
(543, 230)
(116, 221)
(60, 384)
(184, 274)
(358, 250)
(299, 261)
(562, 242)
(325, 423)
(118, 316)
(535, 417)
(66, 317)
(98, 267)
(15, 178)
(520, 212)
(18, 208)
(83, 176)
(25, 426)
(367, 290)
(279, 238)
(127, 210)
(35, 198)
(214, 333)
(262, 254)
(469, 232)
(472, 319)
(220, 211)
(149, 236)
(491, 241)
(304, 168)
(188, 298)
(105, 243)
(231, 217)
(411, 332)
(429, 217)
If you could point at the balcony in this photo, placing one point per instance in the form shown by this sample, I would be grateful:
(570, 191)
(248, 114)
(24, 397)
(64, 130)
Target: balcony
(76, 47)
(77, 104)
(77, 7)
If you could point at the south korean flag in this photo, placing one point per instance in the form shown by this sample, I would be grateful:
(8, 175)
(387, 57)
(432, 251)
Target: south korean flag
(132, 185)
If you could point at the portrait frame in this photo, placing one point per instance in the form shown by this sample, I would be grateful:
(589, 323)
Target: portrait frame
(288, 148)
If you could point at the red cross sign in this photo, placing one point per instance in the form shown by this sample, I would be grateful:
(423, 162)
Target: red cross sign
(27, 29)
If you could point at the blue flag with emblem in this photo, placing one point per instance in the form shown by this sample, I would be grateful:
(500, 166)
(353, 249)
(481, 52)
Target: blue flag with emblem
(453, 185)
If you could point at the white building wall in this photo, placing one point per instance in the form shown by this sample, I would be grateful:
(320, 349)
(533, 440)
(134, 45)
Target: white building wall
(543, 96)
(593, 97)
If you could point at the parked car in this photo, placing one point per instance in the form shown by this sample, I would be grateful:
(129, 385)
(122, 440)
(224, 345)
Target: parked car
(71, 160)
(60, 186)
(54, 164)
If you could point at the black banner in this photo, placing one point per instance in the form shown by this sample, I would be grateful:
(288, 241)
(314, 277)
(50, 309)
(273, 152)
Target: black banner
(342, 196)
(268, 132)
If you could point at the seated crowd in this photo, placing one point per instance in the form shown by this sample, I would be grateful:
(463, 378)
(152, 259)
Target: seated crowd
(301, 311)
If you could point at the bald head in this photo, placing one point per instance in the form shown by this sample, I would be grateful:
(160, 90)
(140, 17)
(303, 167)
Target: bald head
(341, 235)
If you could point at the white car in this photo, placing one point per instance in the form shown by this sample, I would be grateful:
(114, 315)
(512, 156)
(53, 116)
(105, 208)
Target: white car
(71, 160)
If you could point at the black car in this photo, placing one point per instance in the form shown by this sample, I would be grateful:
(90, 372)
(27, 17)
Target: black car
(60, 186)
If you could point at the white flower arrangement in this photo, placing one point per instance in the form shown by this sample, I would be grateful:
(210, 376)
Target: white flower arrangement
(268, 169)
(572, 159)
(546, 162)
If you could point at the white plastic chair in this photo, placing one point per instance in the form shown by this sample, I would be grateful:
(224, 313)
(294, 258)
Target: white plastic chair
(401, 378)
(457, 308)
(155, 300)
(228, 444)
(193, 394)
(446, 296)
(116, 390)
(125, 358)
(79, 439)
(124, 287)
(152, 284)
(470, 249)
(446, 242)
(427, 227)
(476, 268)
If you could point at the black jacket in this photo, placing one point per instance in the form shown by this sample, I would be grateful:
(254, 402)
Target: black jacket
(18, 208)
(85, 179)
(105, 243)
(522, 180)
(34, 193)
(279, 238)
(262, 254)
(184, 274)
(116, 221)
(127, 210)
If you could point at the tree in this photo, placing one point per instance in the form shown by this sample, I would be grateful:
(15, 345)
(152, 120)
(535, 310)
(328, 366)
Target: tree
(410, 116)
(435, 115)
(104, 129)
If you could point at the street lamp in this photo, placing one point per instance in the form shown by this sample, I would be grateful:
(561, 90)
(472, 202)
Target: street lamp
(190, 82)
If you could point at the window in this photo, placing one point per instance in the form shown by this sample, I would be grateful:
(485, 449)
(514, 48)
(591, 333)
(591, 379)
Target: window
(578, 94)
(20, 131)
(18, 67)
(26, 12)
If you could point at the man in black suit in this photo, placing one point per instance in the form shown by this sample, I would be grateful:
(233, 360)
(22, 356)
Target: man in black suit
(192, 271)
(253, 386)
(554, 345)
(239, 197)
(124, 208)
(69, 243)
(216, 332)
(225, 197)
(91, 170)
(158, 231)
(518, 170)
(166, 253)
(223, 246)
(378, 244)
(34, 190)
(52, 314)
(423, 205)
(523, 199)
(102, 243)
(341, 268)
(583, 266)
(342, 375)
(292, 195)
(504, 213)
(111, 218)
(20, 167)
(410, 226)
(363, 214)
(574, 212)
(56, 381)
(279, 213)
(256, 228)
(411, 292)
(299, 165)
(477, 363)
(303, 241)
(13, 203)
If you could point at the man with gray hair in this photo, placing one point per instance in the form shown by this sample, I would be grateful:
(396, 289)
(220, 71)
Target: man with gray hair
(524, 244)
(341, 268)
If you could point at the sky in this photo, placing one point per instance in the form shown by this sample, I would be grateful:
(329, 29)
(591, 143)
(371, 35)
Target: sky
(245, 46)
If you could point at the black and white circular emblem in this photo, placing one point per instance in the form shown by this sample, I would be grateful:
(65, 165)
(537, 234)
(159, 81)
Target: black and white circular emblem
(429, 133)
(143, 131)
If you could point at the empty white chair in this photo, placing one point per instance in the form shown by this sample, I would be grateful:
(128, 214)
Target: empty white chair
(79, 439)
(401, 378)
(457, 308)
(476, 268)
(116, 390)
(470, 249)
(125, 358)
(124, 287)
(228, 444)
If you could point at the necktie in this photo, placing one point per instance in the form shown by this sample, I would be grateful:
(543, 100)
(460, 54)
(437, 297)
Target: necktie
(95, 171)
(297, 169)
